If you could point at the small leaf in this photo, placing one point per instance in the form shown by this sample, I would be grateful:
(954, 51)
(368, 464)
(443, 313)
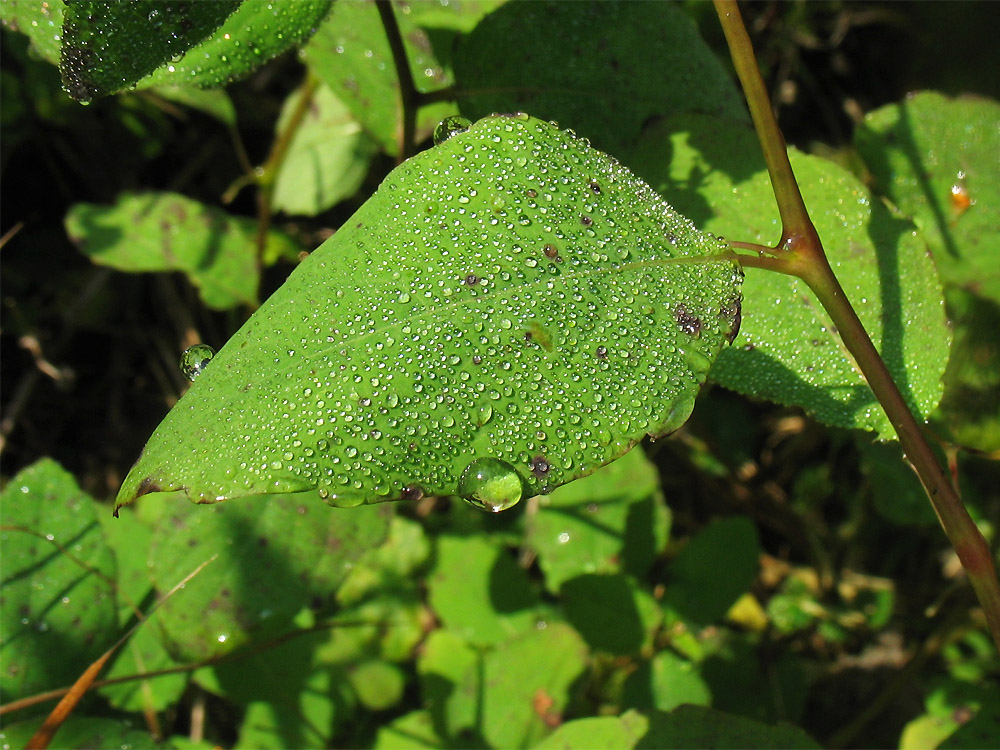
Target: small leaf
(58, 611)
(107, 47)
(665, 682)
(590, 66)
(513, 279)
(788, 349)
(597, 731)
(611, 612)
(327, 158)
(168, 232)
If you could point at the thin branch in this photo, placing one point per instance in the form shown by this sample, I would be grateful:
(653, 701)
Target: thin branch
(408, 94)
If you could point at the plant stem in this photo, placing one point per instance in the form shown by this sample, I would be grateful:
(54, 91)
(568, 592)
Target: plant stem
(408, 93)
(801, 254)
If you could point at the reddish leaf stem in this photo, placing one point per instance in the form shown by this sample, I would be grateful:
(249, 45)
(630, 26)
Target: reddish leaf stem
(408, 94)
(800, 253)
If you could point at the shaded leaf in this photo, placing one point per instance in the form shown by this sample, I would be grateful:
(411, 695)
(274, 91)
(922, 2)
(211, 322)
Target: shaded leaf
(611, 612)
(107, 47)
(59, 611)
(788, 350)
(327, 158)
(82, 733)
(168, 232)
(696, 726)
(613, 517)
(589, 67)
(479, 592)
(514, 278)
(665, 682)
(277, 554)
(408, 732)
(712, 570)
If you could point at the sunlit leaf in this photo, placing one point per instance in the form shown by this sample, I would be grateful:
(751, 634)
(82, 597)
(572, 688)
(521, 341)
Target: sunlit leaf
(788, 350)
(467, 332)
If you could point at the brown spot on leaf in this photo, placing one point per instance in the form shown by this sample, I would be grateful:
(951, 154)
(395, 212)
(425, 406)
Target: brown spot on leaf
(688, 322)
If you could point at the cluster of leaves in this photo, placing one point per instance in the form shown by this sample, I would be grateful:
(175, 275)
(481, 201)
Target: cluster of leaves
(714, 589)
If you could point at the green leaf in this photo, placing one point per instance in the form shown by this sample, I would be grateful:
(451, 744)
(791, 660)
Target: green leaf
(258, 31)
(610, 612)
(275, 554)
(788, 350)
(41, 22)
(107, 47)
(479, 592)
(936, 159)
(696, 726)
(514, 278)
(597, 731)
(665, 682)
(602, 68)
(58, 582)
(895, 489)
(610, 519)
(378, 684)
(523, 685)
(327, 159)
(81, 732)
(351, 54)
(168, 232)
(408, 732)
(442, 663)
(713, 570)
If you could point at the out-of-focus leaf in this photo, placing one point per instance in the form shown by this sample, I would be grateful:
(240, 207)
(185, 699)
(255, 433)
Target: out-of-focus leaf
(696, 726)
(613, 517)
(788, 350)
(82, 733)
(513, 279)
(277, 554)
(168, 232)
(895, 489)
(597, 731)
(58, 581)
(611, 612)
(327, 158)
(213, 102)
(351, 54)
(107, 47)
(665, 682)
(712, 570)
(590, 66)
(408, 732)
(479, 592)
(378, 684)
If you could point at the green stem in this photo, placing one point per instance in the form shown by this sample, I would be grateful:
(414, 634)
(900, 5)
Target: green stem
(801, 254)
(408, 94)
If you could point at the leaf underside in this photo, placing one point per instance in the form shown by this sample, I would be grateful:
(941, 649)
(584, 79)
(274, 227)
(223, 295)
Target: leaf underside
(510, 294)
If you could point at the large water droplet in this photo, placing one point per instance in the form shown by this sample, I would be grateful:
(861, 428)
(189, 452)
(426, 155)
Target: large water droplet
(342, 498)
(195, 359)
(450, 126)
(491, 484)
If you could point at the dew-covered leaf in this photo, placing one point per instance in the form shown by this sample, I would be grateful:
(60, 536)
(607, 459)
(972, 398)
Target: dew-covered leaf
(275, 555)
(602, 68)
(107, 47)
(351, 54)
(597, 731)
(258, 31)
(58, 579)
(788, 350)
(327, 158)
(697, 726)
(513, 279)
(936, 159)
(169, 232)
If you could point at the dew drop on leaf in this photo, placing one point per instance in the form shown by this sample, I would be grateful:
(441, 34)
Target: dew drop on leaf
(491, 484)
(450, 126)
(195, 359)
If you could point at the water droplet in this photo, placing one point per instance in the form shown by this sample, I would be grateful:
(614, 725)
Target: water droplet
(342, 499)
(491, 484)
(450, 126)
(195, 359)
